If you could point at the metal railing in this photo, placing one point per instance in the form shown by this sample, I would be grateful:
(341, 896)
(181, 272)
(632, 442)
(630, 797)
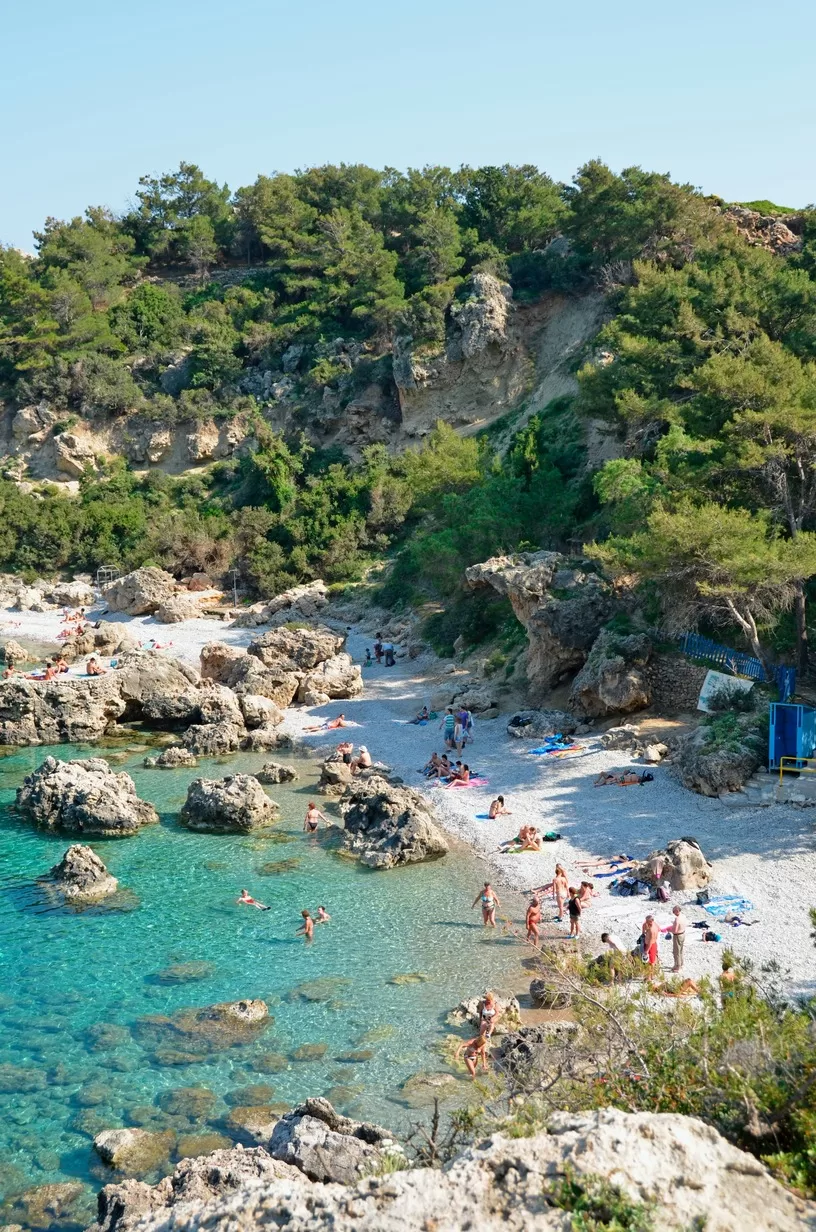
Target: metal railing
(798, 767)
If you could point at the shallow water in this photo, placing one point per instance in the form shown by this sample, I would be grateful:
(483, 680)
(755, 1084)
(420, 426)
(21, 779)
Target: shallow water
(64, 972)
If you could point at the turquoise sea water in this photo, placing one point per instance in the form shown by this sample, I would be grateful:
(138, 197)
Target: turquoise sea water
(62, 1079)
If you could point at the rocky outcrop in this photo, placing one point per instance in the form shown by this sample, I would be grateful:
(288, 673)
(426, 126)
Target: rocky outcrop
(468, 1014)
(676, 1168)
(282, 665)
(80, 877)
(85, 797)
(188, 1035)
(615, 678)
(535, 724)
(386, 825)
(177, 608)
(276, 772)
(233, 805)
(300, 603)
(710, 767)
(214, 739)
(326, 1146)
(112, 638)
(218, 661)
(562, 607)
(296, 650)
(134, 1152)
(13, 652)
(781, 235)
(681, 863)
(139, 593)
(199, 1180)
(173, 757)
(258, 711)
(337, 677)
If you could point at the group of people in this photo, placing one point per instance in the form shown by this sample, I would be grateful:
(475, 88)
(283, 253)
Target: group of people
(383, 652)
(306, 929)
(445, 770)
(457, 728)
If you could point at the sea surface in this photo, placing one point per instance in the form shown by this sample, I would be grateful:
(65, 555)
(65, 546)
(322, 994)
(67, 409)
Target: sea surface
(64, 1077)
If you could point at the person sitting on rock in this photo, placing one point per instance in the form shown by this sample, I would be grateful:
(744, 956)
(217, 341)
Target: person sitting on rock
(362, 761)
(61, 666)
(94, 668)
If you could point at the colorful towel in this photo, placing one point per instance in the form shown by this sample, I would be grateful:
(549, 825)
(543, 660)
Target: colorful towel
(728, 904)
(545, 749)
(471, 783)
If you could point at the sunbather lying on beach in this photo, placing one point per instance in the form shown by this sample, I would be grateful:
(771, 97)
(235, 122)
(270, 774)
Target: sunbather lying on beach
(330, 724)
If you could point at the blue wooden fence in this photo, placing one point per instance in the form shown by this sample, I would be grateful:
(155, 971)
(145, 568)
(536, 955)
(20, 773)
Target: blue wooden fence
(698, 647)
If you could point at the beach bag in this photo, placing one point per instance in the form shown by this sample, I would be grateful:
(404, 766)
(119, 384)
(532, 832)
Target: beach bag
(710, 936)
(703, 897)
(646, 777)
(552, 836)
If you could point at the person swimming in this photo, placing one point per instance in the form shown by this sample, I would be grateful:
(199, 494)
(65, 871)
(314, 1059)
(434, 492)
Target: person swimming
(247, 899)
(322, 916)
(307, 927)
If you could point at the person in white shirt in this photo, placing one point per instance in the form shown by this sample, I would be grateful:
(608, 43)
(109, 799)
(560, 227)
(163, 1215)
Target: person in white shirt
(613, 941)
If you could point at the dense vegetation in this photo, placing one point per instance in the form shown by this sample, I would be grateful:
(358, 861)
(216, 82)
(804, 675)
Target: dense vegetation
(706, 369)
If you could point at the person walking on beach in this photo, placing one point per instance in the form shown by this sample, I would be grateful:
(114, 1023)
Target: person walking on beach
(378, 647)
(489, 900)
(497, 809)
(307, 927)
(677, 931)
(448, 725)
(313, 816)
(532, 921)
(574, 909)
(651, 934)
(475, 1050)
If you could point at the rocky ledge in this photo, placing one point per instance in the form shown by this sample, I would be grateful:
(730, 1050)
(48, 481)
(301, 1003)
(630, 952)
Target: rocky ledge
(86, 797)
(681, 1170)
(387, 824)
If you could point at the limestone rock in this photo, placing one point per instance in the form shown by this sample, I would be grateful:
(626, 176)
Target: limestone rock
(141, 592)
(535, 724)
(295, 650)
(262, 739)
(213, 739)
(614, 679)
(218, 661)
(681, 863)
(299, 603)
(75, 454)
(134, 1152)
(233, 805)
(64, 710)
(110, 639)
(218, 704)
(626, 736)
(202, 443)
(336, 677)
(173, 757)
(767, 231)
(562, 608)
(84, 796)
(711, 769)
(326, 1146)
(258, 711)
(275, 772)
(278, 684)
(69, 594)
(386, 825)
(335, 777)
(178, 608)
(188, 1035)
(81, 877)
(13, 652)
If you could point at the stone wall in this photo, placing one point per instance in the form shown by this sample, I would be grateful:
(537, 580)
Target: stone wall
(676, 683)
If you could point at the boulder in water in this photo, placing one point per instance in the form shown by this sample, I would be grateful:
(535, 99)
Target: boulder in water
(81, 877)
(134, 1152)
(276, 772)
(84, 796)
(386, 825)
(233, 805)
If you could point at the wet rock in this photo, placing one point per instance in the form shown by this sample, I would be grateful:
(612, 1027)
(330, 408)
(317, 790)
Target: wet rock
(139, 593)
(233, 805)
(196, 1103)
(355, 1056)
(277, 868)
(252, 1123)
(105, 1035)
(387, 825)
(66, 1204)
(186, 972)
(80, 877)
(213, 739)
(84, 796)
(405, 978)
(190, 1146)
(322, 989)
(173, 757)
(326, 1146)
(275, 772)
(190, 1034)
(18, 1079)
(270, 1063)
(309, 1052)
(257, 1093)
(135, 1152)
(424, 1087)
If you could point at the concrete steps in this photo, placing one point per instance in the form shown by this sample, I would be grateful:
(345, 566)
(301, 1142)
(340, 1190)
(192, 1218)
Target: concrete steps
(764, 789)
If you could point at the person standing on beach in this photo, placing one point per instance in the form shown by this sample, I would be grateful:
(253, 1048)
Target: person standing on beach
(448, 725)
(677, 932)
(560, 888)
(489, 900)
(378, 648)
(574, 909)
(651, 934)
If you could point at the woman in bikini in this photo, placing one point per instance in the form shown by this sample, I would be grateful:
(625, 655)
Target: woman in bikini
(247, 899)
(586, 894)
(489, 900)
(475, 1050)
(497, 809)
(313, 816)
(560, 888)
(532, 921)
(488, 1015)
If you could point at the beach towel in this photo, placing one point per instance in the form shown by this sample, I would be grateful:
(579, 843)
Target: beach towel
(550, 750)
(471, 783)
(728, 904)
(482, 816)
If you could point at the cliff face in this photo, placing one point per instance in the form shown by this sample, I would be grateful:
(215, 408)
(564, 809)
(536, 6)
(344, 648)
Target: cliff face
(675, 1167)
(496, 357)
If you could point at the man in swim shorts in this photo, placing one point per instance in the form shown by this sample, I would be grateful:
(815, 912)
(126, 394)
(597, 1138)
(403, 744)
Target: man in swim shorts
(651, 934)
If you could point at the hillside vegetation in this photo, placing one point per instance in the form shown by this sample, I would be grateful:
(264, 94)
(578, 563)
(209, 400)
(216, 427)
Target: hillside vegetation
(704, 376)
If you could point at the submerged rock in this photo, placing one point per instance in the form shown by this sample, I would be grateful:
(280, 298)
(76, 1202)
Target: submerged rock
(84, 796)
(65, 1204)
(233, 805)
(386, 825)
(189, 1034)
(275, 772)
(186, 972)
(135, 1152)
(81, 877)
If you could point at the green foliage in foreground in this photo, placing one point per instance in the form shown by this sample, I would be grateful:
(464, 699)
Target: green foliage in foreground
(598, 1206)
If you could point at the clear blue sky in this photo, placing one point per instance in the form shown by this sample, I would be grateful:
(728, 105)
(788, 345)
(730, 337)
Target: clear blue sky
(95, 94)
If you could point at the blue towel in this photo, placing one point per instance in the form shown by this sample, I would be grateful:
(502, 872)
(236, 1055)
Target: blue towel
(728, 904)
(482, 816)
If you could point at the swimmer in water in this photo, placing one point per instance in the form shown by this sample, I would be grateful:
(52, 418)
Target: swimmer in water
(249, 901)
(533, 920)
(307, 927)
(313, 816)
(323, 916)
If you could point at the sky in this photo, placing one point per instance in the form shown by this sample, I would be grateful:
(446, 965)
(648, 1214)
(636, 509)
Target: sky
(94, 94)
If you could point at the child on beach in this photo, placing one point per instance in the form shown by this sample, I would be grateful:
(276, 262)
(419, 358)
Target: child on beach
(367, 658)
(574, 909)
(475, 1050)
(307, 927)
(489, 900)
